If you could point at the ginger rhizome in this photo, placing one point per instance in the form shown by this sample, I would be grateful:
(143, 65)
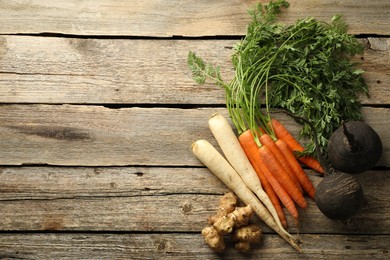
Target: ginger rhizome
(227, 204)
(231, 219)
(247, 235)
(237, 218)
(213, 238)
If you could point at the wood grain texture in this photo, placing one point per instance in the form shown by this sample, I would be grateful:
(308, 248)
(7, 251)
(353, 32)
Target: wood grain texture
(98, 136)
(175, 17)
(183, 246)
(145, 199)
(107, 71)
(98, 94)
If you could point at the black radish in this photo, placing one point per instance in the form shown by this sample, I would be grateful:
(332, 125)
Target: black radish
(354, 147)
(339, 195)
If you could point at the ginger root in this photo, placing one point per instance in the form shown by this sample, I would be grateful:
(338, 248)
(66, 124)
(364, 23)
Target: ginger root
(213, 238)
(239, 217)
(247, 235)
(234, 220)
(227, 204)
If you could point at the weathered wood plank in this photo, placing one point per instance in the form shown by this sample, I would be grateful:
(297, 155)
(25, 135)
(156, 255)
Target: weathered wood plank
(182, 246)
(94, 135)
(49, 183)
(100, 71)
(169, 18)
(99, 136)
(181, 199)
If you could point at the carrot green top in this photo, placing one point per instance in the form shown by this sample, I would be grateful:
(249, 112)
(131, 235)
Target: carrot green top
(303, 68)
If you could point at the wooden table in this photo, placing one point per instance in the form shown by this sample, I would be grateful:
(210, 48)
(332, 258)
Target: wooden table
(98, 112)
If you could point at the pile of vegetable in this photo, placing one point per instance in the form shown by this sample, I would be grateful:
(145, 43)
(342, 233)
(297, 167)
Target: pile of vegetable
(234, 220)
(304, 69)
(238, 174)
(353, 148)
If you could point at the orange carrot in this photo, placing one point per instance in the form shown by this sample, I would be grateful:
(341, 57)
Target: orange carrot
(279, 190)
(267, 140)
(222, 169)
(303, 179)
(282, 133)
(282, 176)
(246, 138)
(250, 148)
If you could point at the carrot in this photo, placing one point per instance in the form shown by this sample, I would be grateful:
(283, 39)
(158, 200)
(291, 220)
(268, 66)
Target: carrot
(283, 195)
(250, 148)
(303, 179)
(282, 176)
(282, 133)
(266, 139)
(237, 157)
(218, 165)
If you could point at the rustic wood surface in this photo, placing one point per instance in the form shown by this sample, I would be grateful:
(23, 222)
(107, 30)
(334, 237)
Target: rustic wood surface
(112, 71)
(98, 112)
(175, 17)
(101, 136)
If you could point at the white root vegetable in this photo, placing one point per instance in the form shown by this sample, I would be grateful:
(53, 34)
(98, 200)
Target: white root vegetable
(230, 146)
(221, 168)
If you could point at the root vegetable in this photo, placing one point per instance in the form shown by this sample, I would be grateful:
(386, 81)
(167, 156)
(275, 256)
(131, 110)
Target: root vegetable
(247, 235)
(237, 157)
(218, 165)
(224, 225)
(267, 140)
(282, 177)
(302, 177)
(237, 218)
(227, 204)
(213, 238)
(282, 133)
(251, 233)
(354, 147)
(339, 195)
(241, 215)
(232, 221)
(252, 152)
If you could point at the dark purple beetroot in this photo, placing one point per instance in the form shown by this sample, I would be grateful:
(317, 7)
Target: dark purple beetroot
(339, 195)
(354, 147)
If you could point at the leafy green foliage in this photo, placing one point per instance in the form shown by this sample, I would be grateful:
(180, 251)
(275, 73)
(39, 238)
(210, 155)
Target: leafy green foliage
(304, 68)
(201, 71)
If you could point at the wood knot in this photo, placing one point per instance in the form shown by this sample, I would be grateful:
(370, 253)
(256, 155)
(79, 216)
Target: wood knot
(160, 245)
(186, 208)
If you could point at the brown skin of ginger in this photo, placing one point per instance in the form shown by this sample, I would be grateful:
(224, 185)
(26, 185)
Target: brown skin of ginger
(227, 204)
(213, 239)
(247, 235)
(251, 233)
(239, 217)
(234, 220)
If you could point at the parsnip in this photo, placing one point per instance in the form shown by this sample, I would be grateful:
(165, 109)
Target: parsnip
(220, 167)
(236, 156)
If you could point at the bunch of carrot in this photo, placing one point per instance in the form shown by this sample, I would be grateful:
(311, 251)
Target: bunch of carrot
(282, 176)
(261, 166)
(238, 174)
(261, 173)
